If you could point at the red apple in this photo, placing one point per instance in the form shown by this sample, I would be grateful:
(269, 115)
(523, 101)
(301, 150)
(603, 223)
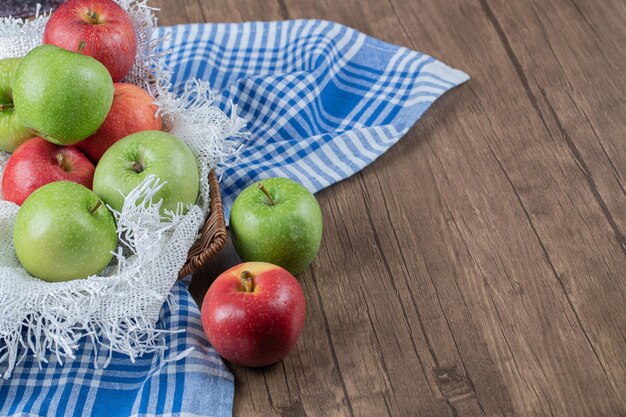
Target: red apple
(133, 111)
(103, 26)
(253, 314)
(38, 162)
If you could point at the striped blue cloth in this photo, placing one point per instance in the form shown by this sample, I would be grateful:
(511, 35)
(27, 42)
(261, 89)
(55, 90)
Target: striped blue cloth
(323, 101)
(197, 385)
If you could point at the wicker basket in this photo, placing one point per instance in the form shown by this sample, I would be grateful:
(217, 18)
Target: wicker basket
(213, 234)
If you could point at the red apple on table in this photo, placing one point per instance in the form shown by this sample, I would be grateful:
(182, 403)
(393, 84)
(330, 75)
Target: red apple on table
(103, 26)
(253, 314)
(133, 111)
(38, 162)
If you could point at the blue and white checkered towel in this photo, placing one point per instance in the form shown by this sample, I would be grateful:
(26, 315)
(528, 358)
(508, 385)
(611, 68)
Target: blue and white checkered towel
(197, 385)
(323, 101)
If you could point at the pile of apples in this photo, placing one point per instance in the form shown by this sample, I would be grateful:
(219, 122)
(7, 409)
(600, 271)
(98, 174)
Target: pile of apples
(81, 141)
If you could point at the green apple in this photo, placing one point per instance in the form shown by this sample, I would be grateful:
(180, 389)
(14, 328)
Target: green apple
(129, 161)
(60, 95)
(64, 232)
(7, 69)
(12, 132)
(277, 221)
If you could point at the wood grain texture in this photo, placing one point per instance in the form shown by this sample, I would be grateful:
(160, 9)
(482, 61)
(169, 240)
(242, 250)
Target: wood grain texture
(478, 268)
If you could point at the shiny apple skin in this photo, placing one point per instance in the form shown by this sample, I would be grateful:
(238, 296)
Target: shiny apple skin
(257, 328)
(38, 162)
(133, 110)
(110, 39)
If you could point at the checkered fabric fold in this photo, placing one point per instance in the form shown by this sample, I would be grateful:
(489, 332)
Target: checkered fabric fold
(323, 101)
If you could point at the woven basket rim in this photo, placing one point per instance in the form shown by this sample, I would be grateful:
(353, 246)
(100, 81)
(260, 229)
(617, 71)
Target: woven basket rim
(213, 233)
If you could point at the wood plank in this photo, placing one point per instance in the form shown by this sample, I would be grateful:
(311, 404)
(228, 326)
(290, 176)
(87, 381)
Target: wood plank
(178, 12)
(173, 12)
(583, 80)
(534, 161)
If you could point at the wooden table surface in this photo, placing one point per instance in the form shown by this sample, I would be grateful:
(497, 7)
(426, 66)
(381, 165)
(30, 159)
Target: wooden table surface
(478, 268)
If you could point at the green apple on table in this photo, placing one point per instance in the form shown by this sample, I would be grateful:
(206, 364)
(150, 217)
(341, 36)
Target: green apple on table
(129, 161)
(12, 132)
(278, 221)
(64, 232)
(60, 95)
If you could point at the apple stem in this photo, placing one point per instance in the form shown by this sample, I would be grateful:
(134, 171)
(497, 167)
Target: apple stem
(93, 17)
(6, 106)
(247, 279)
(81, 46)
(267, 194)
(98, 204)
(136, 166)
(62, 160)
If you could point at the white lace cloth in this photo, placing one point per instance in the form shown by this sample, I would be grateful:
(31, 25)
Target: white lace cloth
(119, 309)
